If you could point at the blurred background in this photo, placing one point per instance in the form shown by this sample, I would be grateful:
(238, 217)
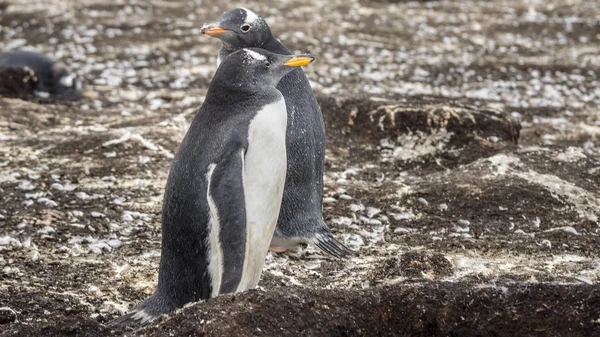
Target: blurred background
(463, 149)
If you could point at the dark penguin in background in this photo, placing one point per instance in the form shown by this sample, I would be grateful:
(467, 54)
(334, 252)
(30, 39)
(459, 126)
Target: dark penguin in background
(53, 78)
(225, 186)
(301, 218)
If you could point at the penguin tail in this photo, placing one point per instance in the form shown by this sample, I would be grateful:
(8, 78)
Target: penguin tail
(134, 317)
(326, 242)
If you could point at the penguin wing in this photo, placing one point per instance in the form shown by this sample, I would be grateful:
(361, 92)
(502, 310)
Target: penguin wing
(228, 223)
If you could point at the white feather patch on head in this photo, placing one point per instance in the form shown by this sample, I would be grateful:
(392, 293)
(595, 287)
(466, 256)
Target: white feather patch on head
(251, 17)
(254, 56)
(67, 80)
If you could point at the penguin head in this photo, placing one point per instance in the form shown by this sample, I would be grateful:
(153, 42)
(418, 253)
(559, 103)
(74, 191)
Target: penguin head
(239, 28)
(258, 67)
(66, 85)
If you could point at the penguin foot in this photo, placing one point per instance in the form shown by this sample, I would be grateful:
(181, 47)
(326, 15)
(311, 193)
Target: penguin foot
(134, 317)
(330, 245)
(278, 250)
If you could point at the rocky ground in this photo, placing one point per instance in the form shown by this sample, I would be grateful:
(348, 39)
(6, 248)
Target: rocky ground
(463, 163)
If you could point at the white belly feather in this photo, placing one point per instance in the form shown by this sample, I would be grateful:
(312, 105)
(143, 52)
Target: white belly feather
(265, 166)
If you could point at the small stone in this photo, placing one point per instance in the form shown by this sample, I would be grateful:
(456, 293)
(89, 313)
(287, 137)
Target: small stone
(402, 230)
(114, 243)
(493, 139)
(7, 240)
(127, 217)
(546, 244)
(46, 230)
(82, 195)
(403, 216)
(345, 197)
(329, 200)
(423, 201)
(95, 214)
(570, 230)
(33, 176)
(143, 159)
(111, 154)
(443, 207)
(77, 213)
(356, 208)
(463, 222)
(28, 203)
(25, 185)
(372, 211)
(7, 315)
(47, 202)
(70, 187)
(57, 186)
(374, 222)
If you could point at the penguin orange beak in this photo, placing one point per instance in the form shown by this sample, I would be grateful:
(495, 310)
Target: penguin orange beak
(213, 30)
(89, 94)
(299, 61)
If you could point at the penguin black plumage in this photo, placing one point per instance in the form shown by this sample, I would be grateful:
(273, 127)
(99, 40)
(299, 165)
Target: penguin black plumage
(52, 78)
(301, 218)
(225, 186)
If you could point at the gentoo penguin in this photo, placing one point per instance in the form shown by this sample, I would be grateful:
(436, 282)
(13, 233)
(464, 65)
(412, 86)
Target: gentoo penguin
(225, 186)
(301, 218)
(52, 78)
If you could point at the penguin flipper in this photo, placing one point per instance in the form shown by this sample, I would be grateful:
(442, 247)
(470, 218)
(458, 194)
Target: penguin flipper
(134, 317)
(326, 242)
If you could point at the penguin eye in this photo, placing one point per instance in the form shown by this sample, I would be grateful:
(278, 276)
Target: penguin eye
(245, 28)
(267, 64)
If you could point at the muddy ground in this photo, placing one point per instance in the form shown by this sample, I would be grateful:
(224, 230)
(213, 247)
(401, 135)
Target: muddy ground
(463, 163)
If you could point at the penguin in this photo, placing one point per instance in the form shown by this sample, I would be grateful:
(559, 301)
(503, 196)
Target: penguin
(225, 186)
(52, 78)
(301, 218)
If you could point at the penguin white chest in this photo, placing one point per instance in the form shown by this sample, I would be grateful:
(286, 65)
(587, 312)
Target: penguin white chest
(265, 164)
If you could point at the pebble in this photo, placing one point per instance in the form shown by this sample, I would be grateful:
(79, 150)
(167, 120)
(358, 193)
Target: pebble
(82, 195)
(7, 240)
(57, 186)
(25, 185)
(570, 230)
(111, 154)
(7, 315)
(459, 229)
(115, 243)
(402, 230)
(77, 213)
(47, 202)
(345, 197)
(423, 201)
(356, 208)
(46, 230)
(372, 211)
(355, 240)
(127, 217)
(463, 222)
(95, 214)
(443, 207)
(546, 244)
(403, 216)
(143, 159)
(329, 200)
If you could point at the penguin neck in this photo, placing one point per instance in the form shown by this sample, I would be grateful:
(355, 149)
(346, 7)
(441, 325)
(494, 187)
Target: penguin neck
(243, 90)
